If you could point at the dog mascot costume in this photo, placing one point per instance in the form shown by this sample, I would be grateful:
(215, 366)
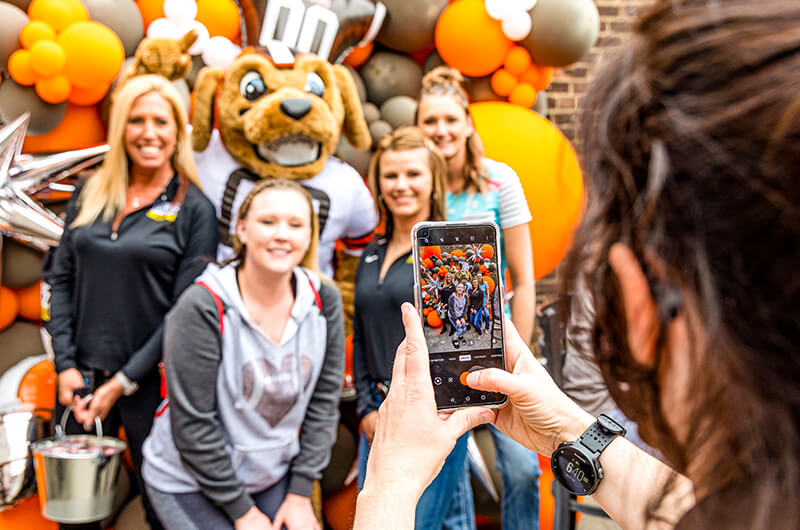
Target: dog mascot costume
(271, 115)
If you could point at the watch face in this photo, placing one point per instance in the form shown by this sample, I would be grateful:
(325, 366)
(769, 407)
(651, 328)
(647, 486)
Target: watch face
(574, 470)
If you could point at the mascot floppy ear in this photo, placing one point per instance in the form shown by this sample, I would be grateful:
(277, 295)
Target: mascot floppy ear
(355, 126)
(205, 90)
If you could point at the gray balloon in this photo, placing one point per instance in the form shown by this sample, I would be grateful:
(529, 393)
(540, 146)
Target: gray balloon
(362, 89)
(122, 16)
(410, 24)
(480, 89)
(388, 74)
(371, 112)
(16, 99)
(399, 111)
(358, 159)
(562, 31)
(433, 60)
(12, 20)
(541, 105)
(378, 129)
(18, 341)
(22, 265)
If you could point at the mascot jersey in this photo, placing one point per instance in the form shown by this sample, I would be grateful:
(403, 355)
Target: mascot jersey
(341, 199)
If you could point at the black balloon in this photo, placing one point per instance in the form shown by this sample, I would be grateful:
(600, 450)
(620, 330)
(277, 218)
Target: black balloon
(328, 28)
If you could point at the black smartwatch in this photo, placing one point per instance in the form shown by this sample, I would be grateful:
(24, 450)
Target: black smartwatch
(576, 465)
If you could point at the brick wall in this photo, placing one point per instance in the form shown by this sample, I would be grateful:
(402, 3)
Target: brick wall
(570, 83)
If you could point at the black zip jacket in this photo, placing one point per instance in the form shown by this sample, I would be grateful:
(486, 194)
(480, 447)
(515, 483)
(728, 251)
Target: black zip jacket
(111, 290)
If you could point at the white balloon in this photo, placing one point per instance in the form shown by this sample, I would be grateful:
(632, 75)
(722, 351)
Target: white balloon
(161, 28)
(499, 9)
(517, 28)
(219, 51)
(180, 11)
(202, 36)
(525, 5)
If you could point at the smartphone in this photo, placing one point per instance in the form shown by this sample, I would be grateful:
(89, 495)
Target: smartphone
(458, 292)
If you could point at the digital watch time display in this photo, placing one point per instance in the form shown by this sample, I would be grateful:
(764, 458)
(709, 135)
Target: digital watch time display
(576, 465)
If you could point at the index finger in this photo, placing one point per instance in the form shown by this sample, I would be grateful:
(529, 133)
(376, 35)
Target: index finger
(416, 353)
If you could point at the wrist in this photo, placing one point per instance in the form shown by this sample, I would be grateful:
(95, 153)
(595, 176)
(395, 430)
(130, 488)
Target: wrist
(573, 429)
(124, 382)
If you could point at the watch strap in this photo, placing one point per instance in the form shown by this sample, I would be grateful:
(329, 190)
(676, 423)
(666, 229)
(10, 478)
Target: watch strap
(128, 387)
(596, 438)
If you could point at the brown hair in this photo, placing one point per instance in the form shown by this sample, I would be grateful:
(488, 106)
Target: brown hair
(310, 260)
(446, 81)
(691, 146)
(406, 139)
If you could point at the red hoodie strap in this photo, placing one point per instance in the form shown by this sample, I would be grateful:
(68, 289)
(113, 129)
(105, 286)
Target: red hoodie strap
(314, 289)
(217, 302)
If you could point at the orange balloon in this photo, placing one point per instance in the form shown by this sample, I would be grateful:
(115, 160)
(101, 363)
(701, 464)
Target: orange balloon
(9, 306)
(427, 263)
(523, 95)
(433, 319)
(47, 58)
(20, 68)
(518, 60)
(490, 282)
(54, 89)
(87, 95)
(359, 55)
(220, 17)
(38, 386)
(35, 31)
(81, 127)
(487, 251)
(538, 76)
(58, 13)
(548, 170)
(503, 82)
(150, 10)
(30, 302)
(469, 40)
(94, 53)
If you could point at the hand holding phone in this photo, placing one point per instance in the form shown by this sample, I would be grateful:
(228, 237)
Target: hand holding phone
(458, 293)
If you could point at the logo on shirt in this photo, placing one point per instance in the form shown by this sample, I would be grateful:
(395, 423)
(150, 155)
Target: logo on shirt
(164, 212)
(371, 258)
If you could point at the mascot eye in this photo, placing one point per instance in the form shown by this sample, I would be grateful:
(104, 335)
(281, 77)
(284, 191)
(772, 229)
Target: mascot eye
(252, 86)
(315, 85)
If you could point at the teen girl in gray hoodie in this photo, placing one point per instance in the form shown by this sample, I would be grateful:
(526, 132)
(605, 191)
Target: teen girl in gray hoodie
(254, 355)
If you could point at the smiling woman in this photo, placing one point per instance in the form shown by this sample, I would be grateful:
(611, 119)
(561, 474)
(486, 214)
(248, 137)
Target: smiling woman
(136, 236)
(254, 354)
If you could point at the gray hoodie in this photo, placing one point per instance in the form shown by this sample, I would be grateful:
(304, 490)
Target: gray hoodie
(238, 400)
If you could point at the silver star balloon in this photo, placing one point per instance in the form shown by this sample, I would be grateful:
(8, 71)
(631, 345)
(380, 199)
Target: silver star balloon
(22, 176)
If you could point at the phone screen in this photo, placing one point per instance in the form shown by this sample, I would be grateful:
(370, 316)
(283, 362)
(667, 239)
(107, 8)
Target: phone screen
(460, 297)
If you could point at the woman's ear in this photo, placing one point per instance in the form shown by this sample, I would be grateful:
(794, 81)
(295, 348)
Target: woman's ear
(641, 313)
(470, 125)
(241, 233)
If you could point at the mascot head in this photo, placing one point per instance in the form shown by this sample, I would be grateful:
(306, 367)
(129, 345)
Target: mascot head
(279, 119)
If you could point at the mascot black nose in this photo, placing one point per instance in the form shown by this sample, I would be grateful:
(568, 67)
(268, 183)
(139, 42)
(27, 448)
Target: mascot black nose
(295, 108)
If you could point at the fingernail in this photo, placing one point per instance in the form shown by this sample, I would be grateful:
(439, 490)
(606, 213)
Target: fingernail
(406, 307)
(487, 417)
(472, 378)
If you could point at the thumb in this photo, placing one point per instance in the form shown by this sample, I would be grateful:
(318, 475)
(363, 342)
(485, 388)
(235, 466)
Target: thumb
(466, 419)
(497, 380)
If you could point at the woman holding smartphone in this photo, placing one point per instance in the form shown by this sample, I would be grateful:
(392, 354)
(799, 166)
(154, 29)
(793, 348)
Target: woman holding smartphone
(482, 189)
(406, 177)
(254, 356)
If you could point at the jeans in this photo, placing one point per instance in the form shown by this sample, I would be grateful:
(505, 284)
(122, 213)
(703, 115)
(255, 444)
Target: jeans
(519, 468)
(460, 330)
(477, 320)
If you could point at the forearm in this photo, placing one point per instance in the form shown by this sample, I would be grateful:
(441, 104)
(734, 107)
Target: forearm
(523, 309)
(385, 506)
(632, 480)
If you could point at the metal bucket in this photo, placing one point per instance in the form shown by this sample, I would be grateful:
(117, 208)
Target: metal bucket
(19, 427)
(77, 474)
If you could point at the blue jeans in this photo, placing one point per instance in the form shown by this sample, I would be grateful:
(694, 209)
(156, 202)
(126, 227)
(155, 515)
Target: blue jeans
(519, 468)
(439, 499)
(460, 330)
(477, 320)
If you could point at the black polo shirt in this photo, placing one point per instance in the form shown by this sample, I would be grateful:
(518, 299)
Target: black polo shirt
(110, 290)
(377, 321)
